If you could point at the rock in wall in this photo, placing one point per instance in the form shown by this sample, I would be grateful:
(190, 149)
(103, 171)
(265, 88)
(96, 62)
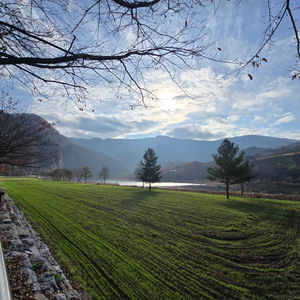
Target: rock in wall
(33, 272)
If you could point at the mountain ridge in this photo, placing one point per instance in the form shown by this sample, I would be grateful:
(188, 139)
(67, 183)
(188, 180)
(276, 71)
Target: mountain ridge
(130, 151)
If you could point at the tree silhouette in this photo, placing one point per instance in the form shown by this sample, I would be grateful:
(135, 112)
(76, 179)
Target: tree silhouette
(26, 139)
(78, 174)
(86, 173)
(150, 170)
(104, 173)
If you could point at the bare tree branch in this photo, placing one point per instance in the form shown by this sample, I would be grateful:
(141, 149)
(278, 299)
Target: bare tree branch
(136, 4)
(77, 44)
(274, 22)
(26, 139)
(294, 27)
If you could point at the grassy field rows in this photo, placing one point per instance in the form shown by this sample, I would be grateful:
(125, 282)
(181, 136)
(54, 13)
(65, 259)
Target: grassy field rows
(129, 243)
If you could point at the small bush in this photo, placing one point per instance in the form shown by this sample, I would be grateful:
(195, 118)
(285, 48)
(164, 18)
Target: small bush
(37, 265)
(58, 279)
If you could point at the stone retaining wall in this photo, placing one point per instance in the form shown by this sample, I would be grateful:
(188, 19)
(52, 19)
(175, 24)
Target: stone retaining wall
(40, 276)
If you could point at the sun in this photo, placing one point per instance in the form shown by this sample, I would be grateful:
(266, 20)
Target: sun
(167, 103)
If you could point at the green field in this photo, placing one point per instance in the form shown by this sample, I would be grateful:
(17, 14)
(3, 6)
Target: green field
(129, 243)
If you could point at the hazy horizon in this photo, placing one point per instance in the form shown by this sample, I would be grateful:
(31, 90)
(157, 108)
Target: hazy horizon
(149, 137)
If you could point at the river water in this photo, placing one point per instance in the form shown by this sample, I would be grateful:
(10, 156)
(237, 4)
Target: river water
(164, 184)
(268, 188)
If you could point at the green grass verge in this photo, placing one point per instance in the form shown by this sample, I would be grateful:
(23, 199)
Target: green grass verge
(128, 243)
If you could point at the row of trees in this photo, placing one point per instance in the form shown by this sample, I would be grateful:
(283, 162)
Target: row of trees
(87, 173)
(64, 174)
(8, 170)
(295, 147)
(193, 171)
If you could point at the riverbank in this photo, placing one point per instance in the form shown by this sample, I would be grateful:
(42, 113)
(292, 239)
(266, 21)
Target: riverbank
(251, 191)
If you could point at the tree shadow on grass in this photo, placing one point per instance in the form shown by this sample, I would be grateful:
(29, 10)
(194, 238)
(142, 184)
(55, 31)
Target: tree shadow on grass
(139, 197)
(261, 208)
(130, 205)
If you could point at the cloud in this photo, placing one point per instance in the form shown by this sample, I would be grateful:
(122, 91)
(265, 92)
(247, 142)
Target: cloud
(113, 118)
(243, 130)
(114, 123)
(100, 124)
(213, 129)
(245, 99)
(295, 135)
(89, 125)
(233, 118)
(196, 132)
(213, 111)
(258, 119)
(204, 84)
(286, 119)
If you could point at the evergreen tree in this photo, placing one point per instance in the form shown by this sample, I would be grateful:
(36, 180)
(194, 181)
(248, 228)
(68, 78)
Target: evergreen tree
(231, 168)
(150, 170)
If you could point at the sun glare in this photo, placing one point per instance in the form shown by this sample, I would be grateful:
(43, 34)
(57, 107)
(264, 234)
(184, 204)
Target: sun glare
(167, 103)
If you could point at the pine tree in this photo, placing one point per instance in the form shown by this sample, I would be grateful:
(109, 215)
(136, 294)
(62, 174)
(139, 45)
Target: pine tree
(231, 168)
(150, 170)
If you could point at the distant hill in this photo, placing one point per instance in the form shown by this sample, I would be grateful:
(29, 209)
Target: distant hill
(130, 151)
(256, 150)
(277, 170)
(74, 156)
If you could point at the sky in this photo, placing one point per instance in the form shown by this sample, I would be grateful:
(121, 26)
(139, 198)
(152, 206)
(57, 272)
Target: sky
(220, 106)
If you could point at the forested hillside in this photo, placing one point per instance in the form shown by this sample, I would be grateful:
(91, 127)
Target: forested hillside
(75, 157)
(280, 168)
